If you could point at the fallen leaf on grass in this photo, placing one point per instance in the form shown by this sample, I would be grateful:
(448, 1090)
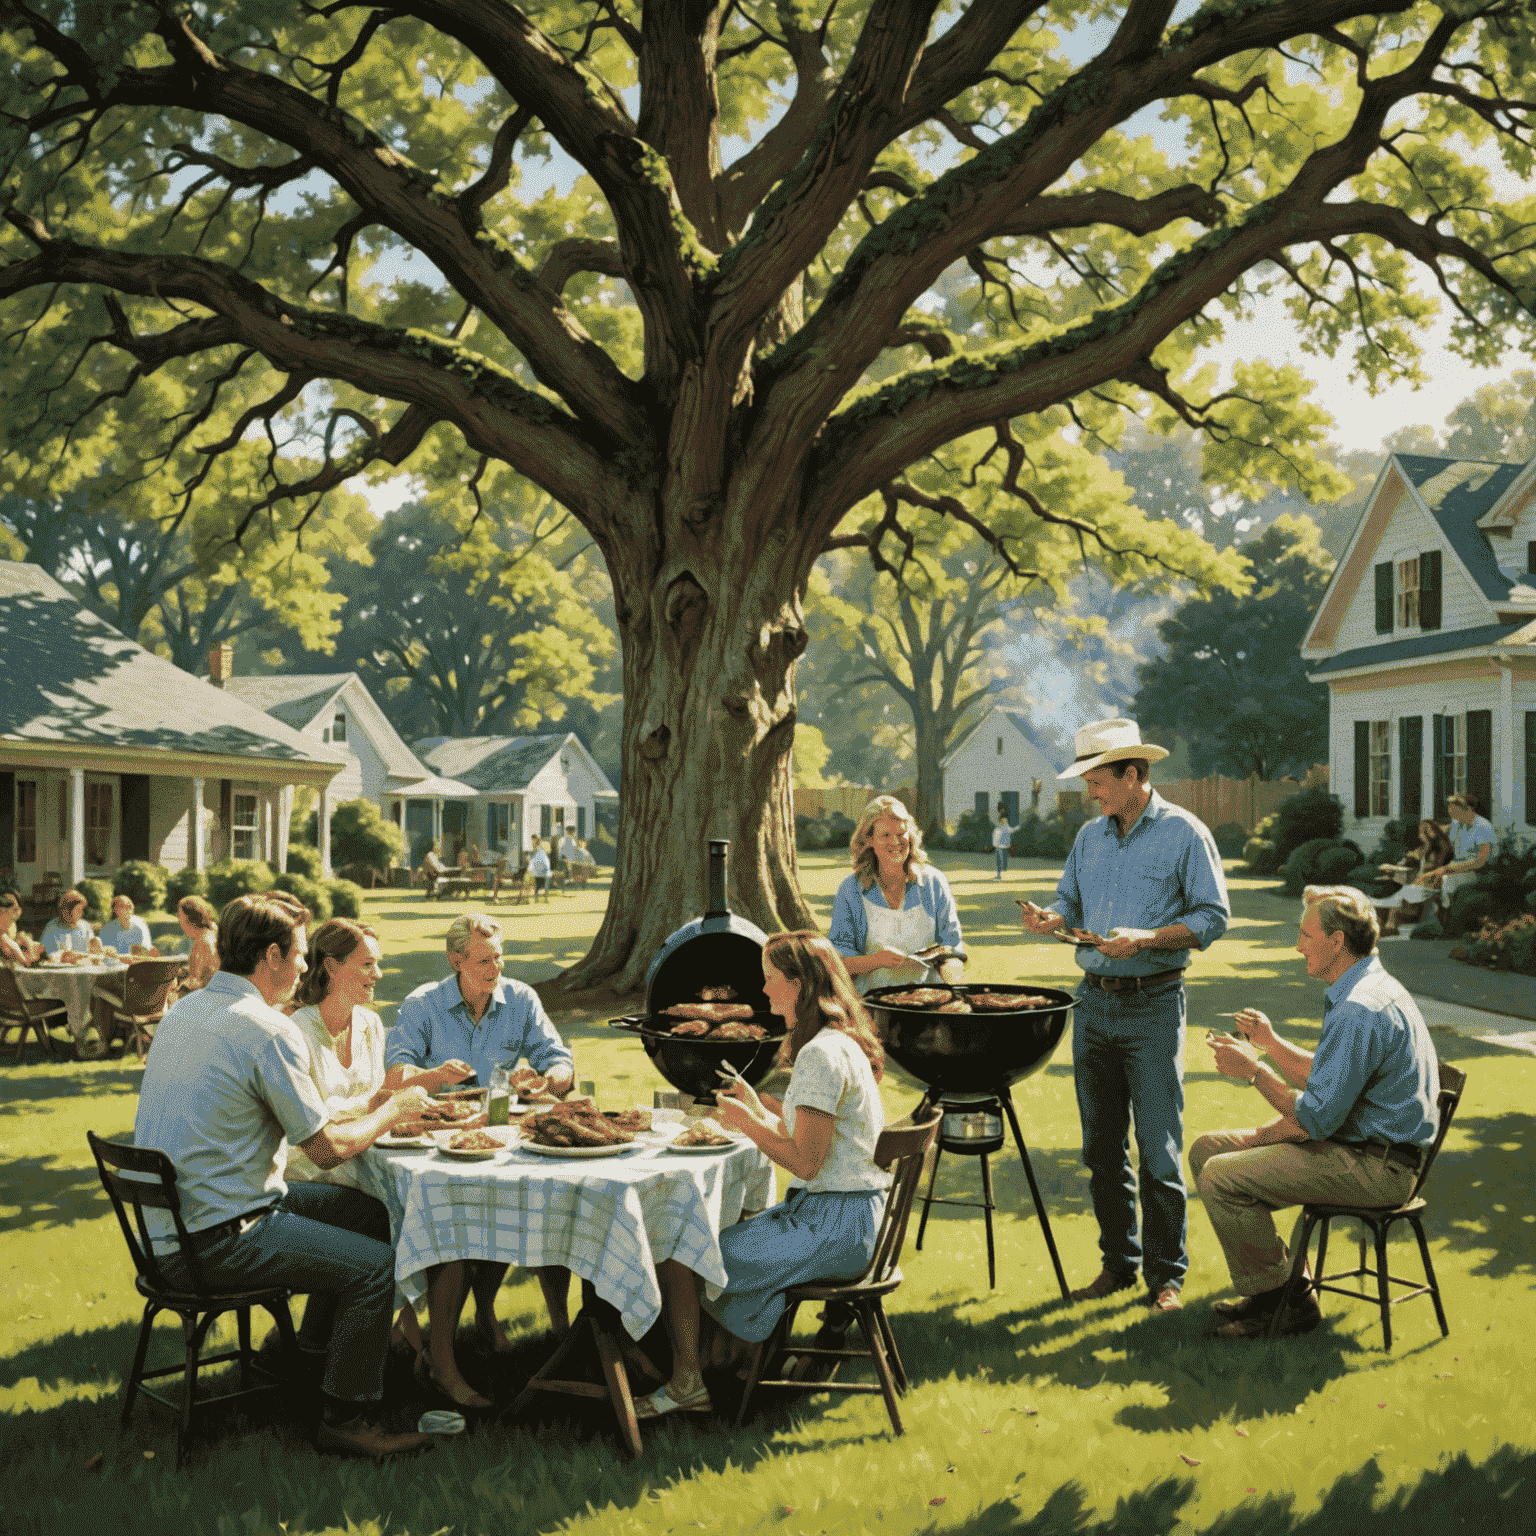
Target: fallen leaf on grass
(1242, 1432)
(93, 1463)
(1250, 1490)
(938, 1500)
(788, 1509)
(986, 1431)
(1029, 1413)
(1188, 1461)
(1381, 1405)
(1446, 1375)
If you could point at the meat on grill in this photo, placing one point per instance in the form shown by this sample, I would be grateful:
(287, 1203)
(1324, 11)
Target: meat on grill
(919, 997)
(736, 1031)
(712, 1013)
(716, 994)
(1005, 1002)
(954, 1005)
(695, 1027)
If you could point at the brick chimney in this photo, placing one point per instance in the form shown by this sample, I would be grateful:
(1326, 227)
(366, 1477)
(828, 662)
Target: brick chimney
(221, 664)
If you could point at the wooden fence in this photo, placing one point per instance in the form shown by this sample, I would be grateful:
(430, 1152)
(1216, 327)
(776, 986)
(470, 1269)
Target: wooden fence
(823, 799)
(1246, 801)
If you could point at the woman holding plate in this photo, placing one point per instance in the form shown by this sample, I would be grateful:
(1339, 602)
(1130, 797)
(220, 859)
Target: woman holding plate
(824, 1133)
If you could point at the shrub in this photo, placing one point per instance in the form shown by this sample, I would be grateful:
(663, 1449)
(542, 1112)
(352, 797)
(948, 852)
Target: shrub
(1470, 907)
(185, 882)
(1026, 841)
(1231, 839)
(236, 877)
(1429, 929)
(1367, 878)
(1309, 815)
(1319, 861)
(362, 834)
(1397, 837)
(144, 882)
(1522, 950)
(346, 898)
(973, 834)
(810, 833)
(1335, 864)
(310, 892)
(840, 830)
(98, 898)
(303, 860)
(1298, 868)
(1261, 856)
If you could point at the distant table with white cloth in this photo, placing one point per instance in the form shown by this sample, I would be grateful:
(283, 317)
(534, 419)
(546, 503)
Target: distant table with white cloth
(71, 985)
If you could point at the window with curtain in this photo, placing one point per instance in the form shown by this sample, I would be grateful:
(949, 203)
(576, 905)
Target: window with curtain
(1408, 593)
(246, 827)
(1381, 768)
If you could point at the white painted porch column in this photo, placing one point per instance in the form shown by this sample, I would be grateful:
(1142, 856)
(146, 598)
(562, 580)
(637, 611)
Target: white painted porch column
(437, 826)
(324, 831)
(1506, 819)
(76, 825)
(284, 825)
(1427, 770)
(195, 830)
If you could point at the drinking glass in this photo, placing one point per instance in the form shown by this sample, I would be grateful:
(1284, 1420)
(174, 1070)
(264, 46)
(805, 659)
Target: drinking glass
(499, 1096)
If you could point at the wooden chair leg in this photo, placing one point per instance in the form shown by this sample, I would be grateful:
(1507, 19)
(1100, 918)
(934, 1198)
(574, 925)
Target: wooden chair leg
(1429, 1275)
(876, 1344)
(618, 1388)
(1321, 1271)
(1383, 1284)
(761, 1358)
(193, 1333)
(898, 1370)
(136, 1371)
(933, 1174)
(243, 1324)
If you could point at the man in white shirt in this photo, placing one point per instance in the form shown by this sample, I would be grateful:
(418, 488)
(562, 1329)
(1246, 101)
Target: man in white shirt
(1471, 845)
(225, 1086)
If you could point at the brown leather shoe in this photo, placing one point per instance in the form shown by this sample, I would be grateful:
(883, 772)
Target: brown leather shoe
(1166, 1300)
(1292, 1322)
(361, 1439)
(1106, 1285)
(1244, 1306)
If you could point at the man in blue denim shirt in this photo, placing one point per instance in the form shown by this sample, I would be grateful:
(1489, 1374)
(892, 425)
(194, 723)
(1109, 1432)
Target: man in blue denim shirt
(1142, 887)
(1353, 1119)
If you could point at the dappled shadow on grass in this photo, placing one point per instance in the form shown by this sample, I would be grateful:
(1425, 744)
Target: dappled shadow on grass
(48, 1193)
(101, 1079)
(1458, 1496)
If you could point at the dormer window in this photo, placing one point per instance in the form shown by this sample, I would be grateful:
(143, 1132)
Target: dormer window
(339, 728)
(1408, 593)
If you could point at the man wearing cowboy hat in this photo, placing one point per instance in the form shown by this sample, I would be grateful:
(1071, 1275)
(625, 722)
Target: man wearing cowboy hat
(1142, 887)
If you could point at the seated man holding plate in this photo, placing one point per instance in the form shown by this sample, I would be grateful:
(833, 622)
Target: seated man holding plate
(478, 1020)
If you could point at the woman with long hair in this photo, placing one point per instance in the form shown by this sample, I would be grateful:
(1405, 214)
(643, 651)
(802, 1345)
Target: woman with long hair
(823, 1133)
(16, 947)
(1428, 860)
(894, 904)
(200, 923)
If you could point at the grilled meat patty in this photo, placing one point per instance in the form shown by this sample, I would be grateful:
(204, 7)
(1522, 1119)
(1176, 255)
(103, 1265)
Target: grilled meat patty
(919, 997)
(711, 1013)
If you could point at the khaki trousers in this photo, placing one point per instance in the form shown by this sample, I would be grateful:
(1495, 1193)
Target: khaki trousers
(1241, 1186)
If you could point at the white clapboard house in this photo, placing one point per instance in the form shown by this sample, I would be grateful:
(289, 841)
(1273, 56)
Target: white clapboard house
(994, 767)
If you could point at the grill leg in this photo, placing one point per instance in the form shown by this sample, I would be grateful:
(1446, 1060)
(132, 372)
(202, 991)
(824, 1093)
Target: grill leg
(1034, 1192)
(986, 1196)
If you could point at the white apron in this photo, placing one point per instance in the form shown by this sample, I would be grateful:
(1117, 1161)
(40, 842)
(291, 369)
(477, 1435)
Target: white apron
(907, 929)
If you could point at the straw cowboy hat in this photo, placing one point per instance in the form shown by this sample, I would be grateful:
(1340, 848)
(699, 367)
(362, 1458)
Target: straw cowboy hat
(1110, 741)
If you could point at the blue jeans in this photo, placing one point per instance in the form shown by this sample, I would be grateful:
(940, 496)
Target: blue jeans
(1127, 1060)
(1002, 860)
(332, 1245)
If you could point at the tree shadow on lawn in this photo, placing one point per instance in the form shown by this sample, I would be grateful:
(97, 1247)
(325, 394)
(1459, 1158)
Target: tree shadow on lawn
(101, 1079)
(49, 1193)
(1454, 1497)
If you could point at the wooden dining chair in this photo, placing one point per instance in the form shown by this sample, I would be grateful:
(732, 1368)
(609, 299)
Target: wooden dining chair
(21, 1013)
(903, 1149)
(144, 1179)
(148, 990)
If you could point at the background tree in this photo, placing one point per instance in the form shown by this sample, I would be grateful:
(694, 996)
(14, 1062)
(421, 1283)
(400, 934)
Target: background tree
(682, 354)
(362, 834)
(1233, 683)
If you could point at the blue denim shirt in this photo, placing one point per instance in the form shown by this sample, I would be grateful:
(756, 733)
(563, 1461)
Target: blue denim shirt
(1164, 870)
(1375, 1075)
(434, 1026)
(928, 889)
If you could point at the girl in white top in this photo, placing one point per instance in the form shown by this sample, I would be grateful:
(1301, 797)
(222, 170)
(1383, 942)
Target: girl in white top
(824, 1132)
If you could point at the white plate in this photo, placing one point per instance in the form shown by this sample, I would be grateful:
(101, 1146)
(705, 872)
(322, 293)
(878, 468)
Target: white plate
(736, 1142)
(418, 1143)
(442, 1138)
(612, 1151)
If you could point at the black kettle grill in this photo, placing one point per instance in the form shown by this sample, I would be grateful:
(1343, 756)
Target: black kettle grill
(968, 1064)
(716, 950)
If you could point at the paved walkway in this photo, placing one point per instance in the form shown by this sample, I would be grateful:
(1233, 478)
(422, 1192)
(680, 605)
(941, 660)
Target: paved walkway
(1497, 1006)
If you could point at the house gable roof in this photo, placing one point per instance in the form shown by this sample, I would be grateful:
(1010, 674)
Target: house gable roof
(499, 765)
(297, 699)
(1019, 722)
(73, 680)
(1438, 642)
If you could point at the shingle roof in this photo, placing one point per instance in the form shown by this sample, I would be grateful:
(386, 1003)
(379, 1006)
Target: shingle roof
(71, 678)
(1436, 644)
(294, 700)
(1020, 723)
(1457, 493)
(491, 764)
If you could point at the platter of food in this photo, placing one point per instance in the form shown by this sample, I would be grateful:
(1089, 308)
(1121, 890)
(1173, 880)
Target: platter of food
(577, 1128)
(470, 1146)
(543, 1149)
(703, 1137)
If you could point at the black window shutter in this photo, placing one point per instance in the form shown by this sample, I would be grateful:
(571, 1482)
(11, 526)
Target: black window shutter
(1437, 756)
(1530, 558)
(1480, 759)
(1384, 598)
(1410, 755)
(1362, 767)
(1429, 590)
(1530, 765)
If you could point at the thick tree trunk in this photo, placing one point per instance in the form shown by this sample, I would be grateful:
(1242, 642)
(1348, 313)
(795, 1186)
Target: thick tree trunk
(710, 640)
(930, 772)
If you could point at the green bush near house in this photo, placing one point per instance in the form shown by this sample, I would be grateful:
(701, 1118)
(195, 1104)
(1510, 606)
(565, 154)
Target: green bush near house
(1231, 839)
(185, 882)
(236, 877)
(362, 834)
(303, 859)
(1319, 861)
(310, 892)
(145, 883)
(1260, 854)
(346, 898)
(1308, 815)
(98, 896)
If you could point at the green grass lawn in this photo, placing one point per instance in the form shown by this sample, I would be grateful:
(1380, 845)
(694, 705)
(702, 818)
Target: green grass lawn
(1026, 1413)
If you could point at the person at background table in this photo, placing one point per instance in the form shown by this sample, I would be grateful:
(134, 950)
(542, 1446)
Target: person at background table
(1145, 881)
(201, 925)
(226, 1085)
(466, 1026)
(823, 1132)
(893, 904)
(16, 947)
(538, 868)
(1353, 1120)
(1002, 841)
(570, 849)
(123, 930)
(1432, 855)
(1471, 845)
(69, 924)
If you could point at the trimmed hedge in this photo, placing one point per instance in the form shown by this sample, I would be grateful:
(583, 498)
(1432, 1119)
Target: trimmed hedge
(145, 883)
(346, 898)
(98, 898)
(1231, 839)
(185, 882)
(1320, 861)
(236, 877)
(303, 860)
(310, 892)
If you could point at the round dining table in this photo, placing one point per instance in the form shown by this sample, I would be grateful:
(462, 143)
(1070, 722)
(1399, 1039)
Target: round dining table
(609, 1220)
(71, 985)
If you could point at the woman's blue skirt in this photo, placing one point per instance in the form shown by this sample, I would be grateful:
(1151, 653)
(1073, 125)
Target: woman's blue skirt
(807, 1237)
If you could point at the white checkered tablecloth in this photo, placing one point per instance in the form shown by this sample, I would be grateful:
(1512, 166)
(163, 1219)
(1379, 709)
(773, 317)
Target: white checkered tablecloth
(609, 1220)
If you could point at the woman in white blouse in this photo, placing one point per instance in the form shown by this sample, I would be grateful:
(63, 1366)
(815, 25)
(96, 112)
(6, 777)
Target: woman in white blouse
(824, 1133)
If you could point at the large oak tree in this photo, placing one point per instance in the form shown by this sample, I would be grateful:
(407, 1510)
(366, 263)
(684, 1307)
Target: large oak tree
(196, 196)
